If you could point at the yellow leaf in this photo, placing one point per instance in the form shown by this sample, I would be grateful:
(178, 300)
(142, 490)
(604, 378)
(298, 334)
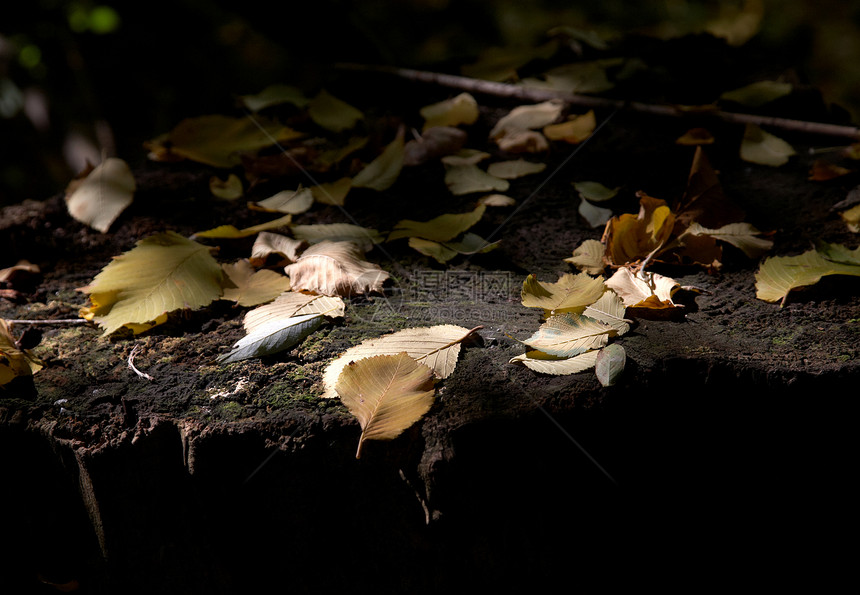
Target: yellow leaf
(14, 362)
(570, 293)
(740, 235)
(105, 193)
(275, 95)
(510, 170)
(286, 201)
(573, 131)
(228, 189)
(162, 273)
(333, 114)
(335, 268)
(547, 364)
(332, 193)
(764, 148)
(218, 140)
(631, 237)
(465, 179)
(442, 252)
(496, 200)
(758, 93)
(569, 334)
(778, 275)
(462, 109)
(383, 171)
(852, 218)
(527, 117)
(648, 290)
(386, 393)
(435, 346)
(588, 257)
(695, 136)
(231, 232)
(252, 287)
(439, 229)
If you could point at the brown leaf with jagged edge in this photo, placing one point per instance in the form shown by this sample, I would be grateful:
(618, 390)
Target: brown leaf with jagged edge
(218, 140)
(162, 273)
(15, 362)
(335, 268)
(250, 287)
(98, 198)
(630, 238)
(386, 393)
(435, 346)
(571, 293)
(703, 199)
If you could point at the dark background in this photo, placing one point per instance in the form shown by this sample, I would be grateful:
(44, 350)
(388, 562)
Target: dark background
(81, 78)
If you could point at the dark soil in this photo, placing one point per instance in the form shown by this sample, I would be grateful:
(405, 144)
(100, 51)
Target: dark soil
(727, 437)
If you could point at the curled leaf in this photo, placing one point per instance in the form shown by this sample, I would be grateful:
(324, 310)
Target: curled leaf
(588, 257)
(569, 334)
(610, 364)
(383, 171)
(764, 148)
(462, 109)
(569, 293)
(547, 364)
(286, 201)
(335, 268)
(102, 195)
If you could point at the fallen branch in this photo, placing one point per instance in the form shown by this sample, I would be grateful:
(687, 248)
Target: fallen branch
(536, 94)
(50, 321)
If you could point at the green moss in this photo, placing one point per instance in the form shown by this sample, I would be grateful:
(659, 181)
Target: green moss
(228, 410)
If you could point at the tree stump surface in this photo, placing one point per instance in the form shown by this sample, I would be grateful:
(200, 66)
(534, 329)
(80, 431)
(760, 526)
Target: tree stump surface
(731, 421)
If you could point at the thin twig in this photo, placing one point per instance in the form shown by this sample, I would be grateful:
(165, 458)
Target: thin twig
(536, 94)
(50, 321)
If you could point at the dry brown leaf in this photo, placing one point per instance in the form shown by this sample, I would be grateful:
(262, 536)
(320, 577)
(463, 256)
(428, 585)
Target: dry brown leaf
(822, 171)
(268, 243)
(573, 131)
(386, 393)
(14, 362)
(630, 238)
(434, 143)
(335, 268)
(696, 136)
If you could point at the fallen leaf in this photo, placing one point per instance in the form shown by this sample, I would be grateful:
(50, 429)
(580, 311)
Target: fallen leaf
(511, 170)
(630, 238)
(232, 232)
(334, 156)
(821, 171)
(435, 143)
(466, 179)
(647, 291)
(23, 268)
(778, 275)
(273, 243)
(102, 195)
(588, 257)
(609, 310)
(333, 114)
(275, 95)
(696, 136)
(737, 23)
(852, 218)
(569, 334)
(703, 200)
(162, 273)
(439, 229)
(577, 77)
(570, 293)
(332, 193)
(15, 362)
(250, 287)
(595, 216)
(386, 393)
(218, 140)
(523, 141)
(381, 173)
(335, 268)
(740, 235)
(462, 109)
(465, 157)
(758, 93)
(282, 324)
(527, 117)
(364, 237)
(442, 252)
(764, 148)
(434, 346)
(496, 200)
(286, 201)
(229, 188)
(595, 191)
(610, 364)
(547, 364)
(574, 130)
